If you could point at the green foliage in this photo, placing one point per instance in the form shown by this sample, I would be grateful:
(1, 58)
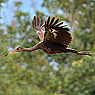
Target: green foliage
(3, 1)
(18, 3)
(37, 73)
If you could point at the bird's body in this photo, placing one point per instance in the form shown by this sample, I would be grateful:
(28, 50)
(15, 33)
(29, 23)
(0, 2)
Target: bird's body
(49, 47)
(54, 37)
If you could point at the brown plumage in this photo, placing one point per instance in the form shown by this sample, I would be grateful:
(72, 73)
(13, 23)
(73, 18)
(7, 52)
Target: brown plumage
(54, 37)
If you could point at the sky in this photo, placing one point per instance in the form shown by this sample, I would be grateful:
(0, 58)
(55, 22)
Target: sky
(7, 12)
(27, 6)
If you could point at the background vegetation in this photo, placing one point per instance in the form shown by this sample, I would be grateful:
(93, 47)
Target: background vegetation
(37, 73)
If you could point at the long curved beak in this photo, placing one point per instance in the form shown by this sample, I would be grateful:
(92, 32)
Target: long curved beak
(10, 52)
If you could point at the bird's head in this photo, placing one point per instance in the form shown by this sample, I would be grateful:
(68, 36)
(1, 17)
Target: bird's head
(18, 49)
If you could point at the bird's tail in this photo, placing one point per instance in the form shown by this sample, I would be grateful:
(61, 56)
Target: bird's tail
(80, 53)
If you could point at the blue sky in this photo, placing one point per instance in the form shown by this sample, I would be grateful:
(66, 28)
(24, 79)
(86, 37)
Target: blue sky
(8, 9)
(7, 12)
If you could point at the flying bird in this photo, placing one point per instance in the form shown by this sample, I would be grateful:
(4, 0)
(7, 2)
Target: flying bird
(54, 37)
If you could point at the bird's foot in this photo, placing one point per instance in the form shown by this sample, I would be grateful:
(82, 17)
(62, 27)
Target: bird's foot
(84, 53)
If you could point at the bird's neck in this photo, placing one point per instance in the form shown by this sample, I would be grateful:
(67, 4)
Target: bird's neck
(28, 49)
(37, 46)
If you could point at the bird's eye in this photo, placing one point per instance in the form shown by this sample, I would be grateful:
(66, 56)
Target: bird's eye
(17, 48)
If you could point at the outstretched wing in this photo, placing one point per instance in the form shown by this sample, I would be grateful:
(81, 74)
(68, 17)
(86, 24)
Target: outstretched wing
(57, 33)
(37, 24)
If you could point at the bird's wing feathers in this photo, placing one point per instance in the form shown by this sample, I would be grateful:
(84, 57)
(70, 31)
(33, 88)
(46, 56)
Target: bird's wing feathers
(56, 33)
(62, 37)
(37, 24)
(52, 31)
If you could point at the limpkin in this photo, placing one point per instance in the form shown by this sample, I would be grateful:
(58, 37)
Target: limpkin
(54, 37)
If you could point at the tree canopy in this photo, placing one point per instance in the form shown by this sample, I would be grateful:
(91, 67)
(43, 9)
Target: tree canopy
(38, 73)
